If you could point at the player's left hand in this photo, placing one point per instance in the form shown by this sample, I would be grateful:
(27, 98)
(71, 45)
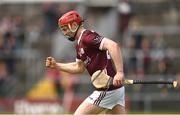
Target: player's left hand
(118, 79)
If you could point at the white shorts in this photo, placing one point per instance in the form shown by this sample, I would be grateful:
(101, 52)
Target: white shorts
(107, 99)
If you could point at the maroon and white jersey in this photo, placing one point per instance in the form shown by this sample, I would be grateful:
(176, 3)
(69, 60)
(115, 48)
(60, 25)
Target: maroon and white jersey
(89, 50)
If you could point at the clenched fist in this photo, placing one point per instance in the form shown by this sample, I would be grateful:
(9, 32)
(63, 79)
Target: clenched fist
(51, 62)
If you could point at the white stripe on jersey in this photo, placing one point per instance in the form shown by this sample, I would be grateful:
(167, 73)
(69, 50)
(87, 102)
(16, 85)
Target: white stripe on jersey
(78, 60)
(102, 42)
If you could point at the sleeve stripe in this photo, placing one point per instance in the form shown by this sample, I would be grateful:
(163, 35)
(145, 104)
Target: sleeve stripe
(78, 60)
(101, 45)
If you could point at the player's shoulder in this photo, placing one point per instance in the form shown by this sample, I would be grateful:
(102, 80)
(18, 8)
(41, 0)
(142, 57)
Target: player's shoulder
(90, 34)
(91, 37)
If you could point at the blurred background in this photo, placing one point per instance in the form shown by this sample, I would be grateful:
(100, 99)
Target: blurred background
(147, 30)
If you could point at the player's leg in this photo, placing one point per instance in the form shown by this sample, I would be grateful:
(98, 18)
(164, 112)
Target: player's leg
(88, 108)
(118, 109)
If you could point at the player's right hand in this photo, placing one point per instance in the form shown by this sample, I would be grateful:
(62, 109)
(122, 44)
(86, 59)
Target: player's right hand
(51, 62)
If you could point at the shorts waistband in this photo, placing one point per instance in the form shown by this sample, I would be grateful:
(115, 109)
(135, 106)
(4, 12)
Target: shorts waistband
(108, 89)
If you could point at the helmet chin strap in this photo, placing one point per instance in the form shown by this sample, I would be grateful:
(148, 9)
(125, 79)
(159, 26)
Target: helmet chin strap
(76, 30)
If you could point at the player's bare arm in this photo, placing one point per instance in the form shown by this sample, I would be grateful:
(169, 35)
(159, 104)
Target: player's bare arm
(73, 67)
(114, 50)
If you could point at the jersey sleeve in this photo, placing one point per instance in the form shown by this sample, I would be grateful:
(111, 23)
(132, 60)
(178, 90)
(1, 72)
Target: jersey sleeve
(78, 58)
(93, 40)
(77, 55)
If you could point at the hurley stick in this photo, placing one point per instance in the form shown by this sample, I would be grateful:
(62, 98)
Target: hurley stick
(129, 81)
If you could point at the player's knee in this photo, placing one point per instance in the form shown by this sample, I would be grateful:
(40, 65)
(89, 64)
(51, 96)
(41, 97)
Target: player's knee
(78, 112)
